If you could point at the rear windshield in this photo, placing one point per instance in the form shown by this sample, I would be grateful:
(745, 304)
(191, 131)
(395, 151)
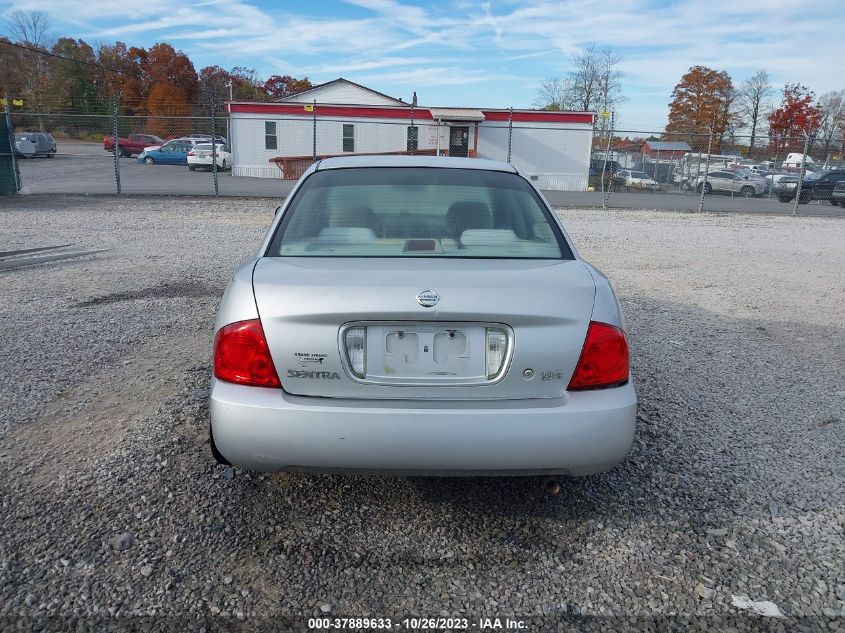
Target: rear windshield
(418, 212)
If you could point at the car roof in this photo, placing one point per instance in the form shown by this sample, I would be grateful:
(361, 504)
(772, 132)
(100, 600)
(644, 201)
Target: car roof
(346, 162)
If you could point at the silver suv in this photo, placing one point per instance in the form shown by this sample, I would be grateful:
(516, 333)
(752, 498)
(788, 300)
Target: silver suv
(738, 183)
(32, 144)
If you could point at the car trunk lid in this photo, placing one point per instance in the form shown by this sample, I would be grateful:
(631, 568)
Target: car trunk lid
(539, 308)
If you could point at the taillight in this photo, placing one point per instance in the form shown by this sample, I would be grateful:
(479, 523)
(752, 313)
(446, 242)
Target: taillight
(241, 355)
(604, 359)
(191, 154)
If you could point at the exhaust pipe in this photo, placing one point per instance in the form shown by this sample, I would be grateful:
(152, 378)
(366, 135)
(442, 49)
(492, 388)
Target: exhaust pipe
(551, 485)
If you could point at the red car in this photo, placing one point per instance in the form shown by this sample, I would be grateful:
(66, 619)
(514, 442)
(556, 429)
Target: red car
(132, 144)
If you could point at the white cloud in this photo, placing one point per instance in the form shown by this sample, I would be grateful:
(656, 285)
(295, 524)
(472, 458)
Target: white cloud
(458, 43)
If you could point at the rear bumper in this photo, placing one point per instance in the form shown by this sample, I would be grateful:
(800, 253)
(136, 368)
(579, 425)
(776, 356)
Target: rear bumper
(268, 430)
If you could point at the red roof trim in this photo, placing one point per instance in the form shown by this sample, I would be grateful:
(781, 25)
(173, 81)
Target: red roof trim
(540, 116)
(385, 112)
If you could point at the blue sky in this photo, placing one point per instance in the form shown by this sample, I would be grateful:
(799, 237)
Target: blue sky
(479, 53)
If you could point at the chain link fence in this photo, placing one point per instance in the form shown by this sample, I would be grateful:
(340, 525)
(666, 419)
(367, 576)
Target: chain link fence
(264, 154)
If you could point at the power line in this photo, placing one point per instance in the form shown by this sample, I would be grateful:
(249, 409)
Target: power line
(68, 59)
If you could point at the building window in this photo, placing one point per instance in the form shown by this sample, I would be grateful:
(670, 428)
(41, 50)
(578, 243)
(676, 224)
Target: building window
(348, 137)
(413, 138)
(271, 141)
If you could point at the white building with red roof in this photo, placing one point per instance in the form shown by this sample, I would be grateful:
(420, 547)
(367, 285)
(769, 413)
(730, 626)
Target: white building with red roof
(339, 118)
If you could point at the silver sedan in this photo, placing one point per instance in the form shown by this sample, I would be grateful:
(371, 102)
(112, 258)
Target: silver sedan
(420, 315)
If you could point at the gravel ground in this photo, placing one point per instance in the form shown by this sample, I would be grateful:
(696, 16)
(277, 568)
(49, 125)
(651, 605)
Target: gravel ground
(114, 515)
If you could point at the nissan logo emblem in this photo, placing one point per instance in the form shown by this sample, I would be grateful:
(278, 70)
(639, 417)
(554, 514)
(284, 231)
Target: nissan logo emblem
(428, 298)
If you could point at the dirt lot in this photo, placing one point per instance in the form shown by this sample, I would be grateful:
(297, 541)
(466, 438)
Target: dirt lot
(113, 510)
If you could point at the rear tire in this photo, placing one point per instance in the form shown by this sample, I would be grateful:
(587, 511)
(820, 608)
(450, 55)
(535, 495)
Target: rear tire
(834, 202)
(223, 165)
(149, 160)
(192, 167)
(747, 192)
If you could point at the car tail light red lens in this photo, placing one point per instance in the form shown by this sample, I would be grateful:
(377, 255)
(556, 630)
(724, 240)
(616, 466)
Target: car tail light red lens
(191, 154)
(604, 359)
(241, 355)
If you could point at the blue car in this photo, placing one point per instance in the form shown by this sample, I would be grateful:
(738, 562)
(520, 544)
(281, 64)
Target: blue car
(171, 153)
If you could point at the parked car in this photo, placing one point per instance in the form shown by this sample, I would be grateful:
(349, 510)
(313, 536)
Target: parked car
(171, 153)
(739, 183)
(635, 180)
(785, 187)
(816, 186)
(429, 315)
(33, 144)
(610, 166)
(192, 140)
(838, 195)
(132, 144)
(200, 156)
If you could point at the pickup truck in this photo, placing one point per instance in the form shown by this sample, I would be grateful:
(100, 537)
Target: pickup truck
(132, 144)
(838, 195)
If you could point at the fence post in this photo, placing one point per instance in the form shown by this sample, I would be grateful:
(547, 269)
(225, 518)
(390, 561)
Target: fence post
(214, 148)
(314, 119)
(801, 175)
(706, 170)
(656, 168)
(116, 149)
(16, 172)
(510, 133)
(606, 190)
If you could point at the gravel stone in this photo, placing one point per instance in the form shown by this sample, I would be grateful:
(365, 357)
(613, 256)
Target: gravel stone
(728, 439)
(122, 542)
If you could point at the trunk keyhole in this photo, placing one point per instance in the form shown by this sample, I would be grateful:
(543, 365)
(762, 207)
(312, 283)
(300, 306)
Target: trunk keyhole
(425, 348)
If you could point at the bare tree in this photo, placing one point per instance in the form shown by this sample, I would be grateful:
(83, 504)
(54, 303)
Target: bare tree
(609, 80)
(31, 28)
(551, 94)
(751, 101)
(584, 79)
(594, 83)
(832, 116)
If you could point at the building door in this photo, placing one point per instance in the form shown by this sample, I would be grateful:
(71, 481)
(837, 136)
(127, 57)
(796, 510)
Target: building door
(459, 141)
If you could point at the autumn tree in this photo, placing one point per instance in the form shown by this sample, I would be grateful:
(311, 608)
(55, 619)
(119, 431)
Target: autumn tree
(281, 86)
(751, 102)
(166, 101)
(13, 78)
(73, 76)
(700, 101)
(240, 82)
(120, 75)
(795, 118)
(168, 73)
